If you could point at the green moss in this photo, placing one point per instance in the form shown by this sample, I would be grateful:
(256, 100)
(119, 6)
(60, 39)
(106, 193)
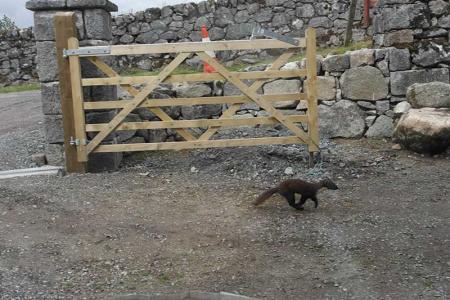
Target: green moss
(20, 88)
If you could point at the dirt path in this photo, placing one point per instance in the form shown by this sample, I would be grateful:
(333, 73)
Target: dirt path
(173, 221)
(21, 129)
(156, 226)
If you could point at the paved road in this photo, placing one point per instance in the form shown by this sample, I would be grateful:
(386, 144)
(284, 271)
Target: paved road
(19, 111)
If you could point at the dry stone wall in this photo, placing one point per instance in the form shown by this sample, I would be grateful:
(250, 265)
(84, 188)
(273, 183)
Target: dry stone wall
(234, 19)
(17, 57)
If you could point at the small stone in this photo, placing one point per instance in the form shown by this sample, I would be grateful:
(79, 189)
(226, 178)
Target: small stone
(366, 104)
(382, 106)
(396, 147)
(194, 170)
(382, 127)
(402, 108)
(289, 171)
(370, 120)
(39, 159)
(303, 105)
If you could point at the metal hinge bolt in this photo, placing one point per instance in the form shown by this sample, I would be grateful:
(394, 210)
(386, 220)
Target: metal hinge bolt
(76, 142)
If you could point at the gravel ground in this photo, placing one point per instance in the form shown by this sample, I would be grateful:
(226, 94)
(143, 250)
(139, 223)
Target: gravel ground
(173, 221)
(21, 129)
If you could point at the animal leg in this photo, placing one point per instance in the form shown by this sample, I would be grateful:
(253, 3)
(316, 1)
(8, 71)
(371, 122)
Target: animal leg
(290, 197)
(300, 204)
(316, 201)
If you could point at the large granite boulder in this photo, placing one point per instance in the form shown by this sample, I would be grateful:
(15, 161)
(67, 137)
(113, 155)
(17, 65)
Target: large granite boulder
(343, 119)
(364, 83)
(326, 88)
(383, 127)
(433, 94)
(283, 86)
(400, 81)
(424, 130)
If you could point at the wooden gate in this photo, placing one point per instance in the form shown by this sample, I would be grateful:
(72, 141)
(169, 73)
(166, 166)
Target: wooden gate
(78, 147)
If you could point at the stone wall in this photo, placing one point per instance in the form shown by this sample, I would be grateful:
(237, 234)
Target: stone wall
(361, 93)
(422, 26)
(17, 57)
(234, 19)
(225, 19)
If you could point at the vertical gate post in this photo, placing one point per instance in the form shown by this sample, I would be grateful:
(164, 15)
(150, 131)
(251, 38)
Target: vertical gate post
(311, 66)
(64, 30)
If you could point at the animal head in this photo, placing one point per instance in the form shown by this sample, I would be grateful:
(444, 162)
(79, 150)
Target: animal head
(327, 183)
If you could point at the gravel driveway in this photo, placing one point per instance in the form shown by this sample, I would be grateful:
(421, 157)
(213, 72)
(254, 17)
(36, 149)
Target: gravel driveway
(175, 221)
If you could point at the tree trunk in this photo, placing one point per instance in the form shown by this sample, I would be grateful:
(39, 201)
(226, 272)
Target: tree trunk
(351, 19)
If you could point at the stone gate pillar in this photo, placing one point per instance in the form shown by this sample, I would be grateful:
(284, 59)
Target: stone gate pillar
(93, 22)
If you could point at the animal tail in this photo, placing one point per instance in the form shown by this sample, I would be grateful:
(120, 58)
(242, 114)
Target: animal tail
(266, 195)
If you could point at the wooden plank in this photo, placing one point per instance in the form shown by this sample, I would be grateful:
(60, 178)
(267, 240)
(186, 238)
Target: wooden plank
(198, 144)
(311, 66)
(270, 74)
(228, 122)
(157, 111)
(255, 97)
(201, 47)
(138, 99)
(77, 96)
(278, 63)
(64, 29)
(191, 101)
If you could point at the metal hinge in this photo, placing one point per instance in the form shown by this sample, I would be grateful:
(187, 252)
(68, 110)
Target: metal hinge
(88, 51)
(258, 31)
(76, 142)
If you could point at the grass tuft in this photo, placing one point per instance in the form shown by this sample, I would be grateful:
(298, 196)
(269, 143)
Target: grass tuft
(238, 66)
(20, 88)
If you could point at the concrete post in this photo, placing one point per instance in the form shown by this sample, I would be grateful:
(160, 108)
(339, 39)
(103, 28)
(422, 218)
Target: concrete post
(93, 22)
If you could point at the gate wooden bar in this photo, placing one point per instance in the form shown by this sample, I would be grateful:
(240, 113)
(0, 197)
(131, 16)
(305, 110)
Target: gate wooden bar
(142, 99)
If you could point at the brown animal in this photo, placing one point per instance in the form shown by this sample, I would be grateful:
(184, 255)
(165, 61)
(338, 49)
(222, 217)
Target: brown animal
(290, 187)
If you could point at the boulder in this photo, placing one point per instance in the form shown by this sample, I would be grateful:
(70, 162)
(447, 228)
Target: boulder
(192, 90)
(439, 7)
(326, 88)
(400, 81)
(201, 111)
(363, 57)
(364, 83)
(383, 127)
(433, 94)
(98, 24)
(402, 107)
(399, 59)
(398, 38)
(336, 63)
(430, 55)
(239, 31)
(283, 87)
(424, 130)
(343, 119)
